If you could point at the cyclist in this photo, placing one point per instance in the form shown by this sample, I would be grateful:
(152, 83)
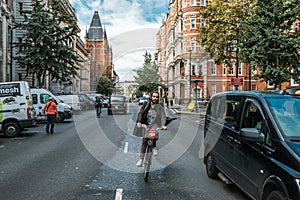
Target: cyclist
(98, 105)
(150, 113)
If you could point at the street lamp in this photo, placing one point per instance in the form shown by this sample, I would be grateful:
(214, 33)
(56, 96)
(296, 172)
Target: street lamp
(190, 72)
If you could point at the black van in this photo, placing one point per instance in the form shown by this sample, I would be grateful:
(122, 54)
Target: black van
(252, 139)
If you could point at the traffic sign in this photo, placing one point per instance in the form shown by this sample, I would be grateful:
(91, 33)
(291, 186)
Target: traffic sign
(237, 81)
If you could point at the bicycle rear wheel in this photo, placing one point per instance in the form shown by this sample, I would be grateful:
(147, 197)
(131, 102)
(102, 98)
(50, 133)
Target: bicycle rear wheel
(147, 163)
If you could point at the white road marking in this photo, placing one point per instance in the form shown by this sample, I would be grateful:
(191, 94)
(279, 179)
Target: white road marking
(126, 148)
(119, 194)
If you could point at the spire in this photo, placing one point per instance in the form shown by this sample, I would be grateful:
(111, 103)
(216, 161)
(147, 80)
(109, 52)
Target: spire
(104, 35)
(95, 31)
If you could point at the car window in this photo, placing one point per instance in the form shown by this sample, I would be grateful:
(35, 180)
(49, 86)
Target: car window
(117, 99)
(34, 99)
(224, 110)
(287, 114)
(252, 116)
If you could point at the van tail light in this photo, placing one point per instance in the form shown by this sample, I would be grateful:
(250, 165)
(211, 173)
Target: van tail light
(29, 113)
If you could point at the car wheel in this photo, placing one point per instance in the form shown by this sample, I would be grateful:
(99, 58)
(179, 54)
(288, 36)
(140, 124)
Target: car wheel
(276, 195)
(211, 169)
(11, 129)
(60, 118)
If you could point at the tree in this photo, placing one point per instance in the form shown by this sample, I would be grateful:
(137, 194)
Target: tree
(271, 43)
(148, 77)
(222, 33)
(105, 86)
(46, 49)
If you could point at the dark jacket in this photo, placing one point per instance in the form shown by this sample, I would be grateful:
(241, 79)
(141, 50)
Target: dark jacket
(142, 115)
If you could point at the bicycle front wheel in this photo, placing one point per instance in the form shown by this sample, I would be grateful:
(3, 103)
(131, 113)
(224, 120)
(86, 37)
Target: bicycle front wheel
(147, 163)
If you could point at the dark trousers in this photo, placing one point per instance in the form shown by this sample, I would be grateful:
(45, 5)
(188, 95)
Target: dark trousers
(143, 147)
(50, 122)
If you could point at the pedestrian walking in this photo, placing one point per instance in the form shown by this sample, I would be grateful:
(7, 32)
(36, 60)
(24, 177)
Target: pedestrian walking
(51, 111)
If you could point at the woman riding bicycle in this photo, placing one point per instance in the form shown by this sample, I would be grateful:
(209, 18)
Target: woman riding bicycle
(150, 113)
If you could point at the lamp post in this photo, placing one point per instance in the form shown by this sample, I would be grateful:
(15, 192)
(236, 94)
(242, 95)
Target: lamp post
(190, 72)
(237, 57)
(196, 95)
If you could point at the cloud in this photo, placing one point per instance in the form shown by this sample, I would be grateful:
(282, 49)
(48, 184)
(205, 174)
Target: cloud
(131, 26)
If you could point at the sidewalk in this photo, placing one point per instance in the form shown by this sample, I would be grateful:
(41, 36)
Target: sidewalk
(182, 109)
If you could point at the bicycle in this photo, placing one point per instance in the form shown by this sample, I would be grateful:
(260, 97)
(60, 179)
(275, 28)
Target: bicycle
(151, 134)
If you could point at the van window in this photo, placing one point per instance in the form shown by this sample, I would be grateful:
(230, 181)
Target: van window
(224, 110)
(231, 108)
(44, 98)
(34, 99)
(252, 116)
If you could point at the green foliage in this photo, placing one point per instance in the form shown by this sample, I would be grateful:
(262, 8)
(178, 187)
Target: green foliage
(271, 43)
(260, 31)
(148, 77)
(221, 35)
(105, 86)
(46, 48)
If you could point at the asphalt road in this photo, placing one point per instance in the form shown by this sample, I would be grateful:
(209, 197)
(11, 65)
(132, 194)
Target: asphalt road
(89, 158)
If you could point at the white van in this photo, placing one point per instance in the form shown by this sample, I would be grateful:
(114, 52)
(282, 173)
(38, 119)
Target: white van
(72, 100)
(40, 97)
(16, 110)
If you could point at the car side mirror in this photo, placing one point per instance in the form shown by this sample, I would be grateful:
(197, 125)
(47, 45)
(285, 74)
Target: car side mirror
(252, 135)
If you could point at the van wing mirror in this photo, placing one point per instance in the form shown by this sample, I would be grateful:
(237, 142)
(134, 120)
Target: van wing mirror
(252, 135)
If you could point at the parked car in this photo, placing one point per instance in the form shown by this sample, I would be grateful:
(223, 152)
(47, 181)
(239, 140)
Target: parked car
(142, 100)
(86, 102)
(252, 139)
(117, 104)
(295, 91)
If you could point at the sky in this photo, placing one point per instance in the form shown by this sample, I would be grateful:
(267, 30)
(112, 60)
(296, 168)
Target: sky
(131, 27)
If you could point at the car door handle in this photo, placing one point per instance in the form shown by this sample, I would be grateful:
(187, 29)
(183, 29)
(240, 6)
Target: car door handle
(237, 141)
(229, 138)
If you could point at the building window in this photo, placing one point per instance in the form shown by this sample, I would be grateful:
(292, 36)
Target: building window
(193, 23)
(230, 87)
(253, 87)
(184, 3)
(20, 43)
(223, 88)
(231, 69)
(193, 2)
(184, 47)
(213, 68)
(224, 69)
(213, 89)
(240, 69)
(184, 24)
(193, 69)
(193, 46)
(203, 3)
(21, 8)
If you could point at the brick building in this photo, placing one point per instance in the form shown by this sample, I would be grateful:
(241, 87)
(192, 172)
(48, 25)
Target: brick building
(187, 69)
(97, 45)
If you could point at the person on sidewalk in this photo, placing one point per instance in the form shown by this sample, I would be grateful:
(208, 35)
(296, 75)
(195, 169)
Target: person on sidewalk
(150, 113)
(51, 111)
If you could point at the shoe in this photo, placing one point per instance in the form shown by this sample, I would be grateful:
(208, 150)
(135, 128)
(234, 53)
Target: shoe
(155, 152)
(47, 131)
(139, 163)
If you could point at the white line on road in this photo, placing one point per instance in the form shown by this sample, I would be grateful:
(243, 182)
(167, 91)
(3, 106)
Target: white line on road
(126, 148)
(119, 193)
